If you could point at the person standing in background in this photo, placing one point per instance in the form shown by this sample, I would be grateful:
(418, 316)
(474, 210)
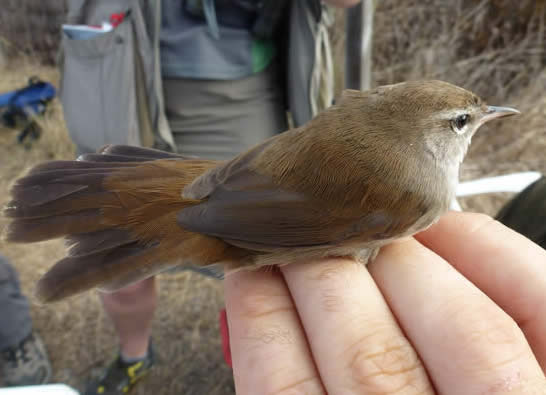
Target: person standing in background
(223, 93)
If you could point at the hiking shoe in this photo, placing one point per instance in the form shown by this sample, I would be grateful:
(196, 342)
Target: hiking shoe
(120, 377)
(26, 363)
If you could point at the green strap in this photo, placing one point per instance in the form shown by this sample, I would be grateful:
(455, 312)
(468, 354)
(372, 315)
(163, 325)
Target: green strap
(263, 52)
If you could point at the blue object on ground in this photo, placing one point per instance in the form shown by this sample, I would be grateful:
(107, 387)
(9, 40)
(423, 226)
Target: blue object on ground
(31, 99)
(21, 105)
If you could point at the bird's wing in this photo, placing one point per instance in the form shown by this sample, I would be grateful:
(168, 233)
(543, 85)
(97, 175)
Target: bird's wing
(258, 215)
(249, 210)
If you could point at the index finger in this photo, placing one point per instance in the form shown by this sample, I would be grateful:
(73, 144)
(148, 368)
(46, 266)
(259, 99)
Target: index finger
(505, 265)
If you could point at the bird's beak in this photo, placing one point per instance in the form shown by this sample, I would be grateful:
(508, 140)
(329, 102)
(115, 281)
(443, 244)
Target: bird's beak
(493, 112)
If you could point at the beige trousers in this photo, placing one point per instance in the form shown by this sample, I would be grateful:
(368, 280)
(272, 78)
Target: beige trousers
(215, 119)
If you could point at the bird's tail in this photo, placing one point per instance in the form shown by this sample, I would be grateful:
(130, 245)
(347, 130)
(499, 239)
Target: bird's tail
(117, 211)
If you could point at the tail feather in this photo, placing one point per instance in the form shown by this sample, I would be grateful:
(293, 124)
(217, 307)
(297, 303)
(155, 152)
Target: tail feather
(29, 230)
(99, 241)
(59, 192)
(111, 158)
(37, 195)
(63, 176)
(55, 187)
(42, 188)
(139, 152)
(72, 274)
(116, 209)
(76, 165)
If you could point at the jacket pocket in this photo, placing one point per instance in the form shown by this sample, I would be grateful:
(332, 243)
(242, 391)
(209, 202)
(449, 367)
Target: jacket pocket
(98, 89)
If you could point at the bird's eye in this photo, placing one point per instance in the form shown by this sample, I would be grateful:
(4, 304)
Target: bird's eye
(460, 122)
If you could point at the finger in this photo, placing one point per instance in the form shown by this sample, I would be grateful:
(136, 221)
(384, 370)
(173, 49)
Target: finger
(269, 351)
(356, 342)
(467, 343)
(509, 268)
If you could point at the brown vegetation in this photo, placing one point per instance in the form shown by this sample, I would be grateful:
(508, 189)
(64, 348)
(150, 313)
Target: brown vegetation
(32, 27)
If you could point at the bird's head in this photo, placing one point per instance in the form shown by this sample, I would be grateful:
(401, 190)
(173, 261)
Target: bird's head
(440, 117)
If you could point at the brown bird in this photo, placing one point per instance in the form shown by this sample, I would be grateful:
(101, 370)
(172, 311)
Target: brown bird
(377, 166)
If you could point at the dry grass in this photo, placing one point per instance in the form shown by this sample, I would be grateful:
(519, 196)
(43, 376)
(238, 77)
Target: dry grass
(32, 27)
(494, 47)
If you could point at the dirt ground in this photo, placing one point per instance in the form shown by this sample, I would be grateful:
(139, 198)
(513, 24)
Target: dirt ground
(80, 338)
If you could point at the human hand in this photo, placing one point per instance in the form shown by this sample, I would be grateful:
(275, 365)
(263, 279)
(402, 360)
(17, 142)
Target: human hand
(411, 323)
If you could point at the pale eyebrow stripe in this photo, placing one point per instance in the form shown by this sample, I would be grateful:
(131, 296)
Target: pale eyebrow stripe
(450, 114)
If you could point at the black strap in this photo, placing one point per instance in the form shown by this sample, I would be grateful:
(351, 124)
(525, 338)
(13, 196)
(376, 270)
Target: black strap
(269, 18)
(229, 13)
